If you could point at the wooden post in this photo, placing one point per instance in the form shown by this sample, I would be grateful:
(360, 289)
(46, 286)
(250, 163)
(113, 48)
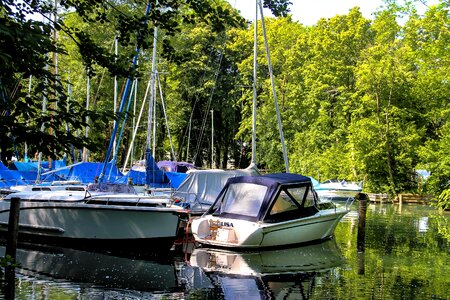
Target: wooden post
(13, 227)
(11, 247)
(361, 231)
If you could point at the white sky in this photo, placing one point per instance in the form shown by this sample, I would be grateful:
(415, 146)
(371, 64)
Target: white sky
(308, 12)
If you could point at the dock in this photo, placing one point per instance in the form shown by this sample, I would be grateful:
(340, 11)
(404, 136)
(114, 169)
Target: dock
(413, 198)
(378, 198)
(401, 198)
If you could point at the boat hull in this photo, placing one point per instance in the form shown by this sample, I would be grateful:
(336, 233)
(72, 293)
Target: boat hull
(236, 233)
(87, 226)
(337, 191)
(337, 195)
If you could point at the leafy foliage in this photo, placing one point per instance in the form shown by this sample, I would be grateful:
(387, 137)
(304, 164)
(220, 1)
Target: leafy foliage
(360, 100)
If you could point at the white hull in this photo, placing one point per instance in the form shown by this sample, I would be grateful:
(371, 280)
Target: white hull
(236, 233)
(76, 223)
(337, 194)
(338, 190)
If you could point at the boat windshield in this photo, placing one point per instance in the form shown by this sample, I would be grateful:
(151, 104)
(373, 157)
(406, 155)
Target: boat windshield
(242, 199)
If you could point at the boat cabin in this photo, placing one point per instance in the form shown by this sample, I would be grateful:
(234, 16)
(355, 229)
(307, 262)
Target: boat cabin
(268, 198)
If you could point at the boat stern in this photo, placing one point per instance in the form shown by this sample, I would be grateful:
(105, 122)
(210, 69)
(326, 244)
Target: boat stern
(226, 232)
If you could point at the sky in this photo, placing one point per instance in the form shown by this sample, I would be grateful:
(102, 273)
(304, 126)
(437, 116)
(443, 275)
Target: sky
(308, 12)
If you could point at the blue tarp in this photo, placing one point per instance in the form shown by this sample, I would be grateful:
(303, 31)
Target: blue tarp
(32, 166)
(154, 176)
(29, 170)
(137, 176)
(2, 166)
(11, 178)
(85, 172)
(176, 178)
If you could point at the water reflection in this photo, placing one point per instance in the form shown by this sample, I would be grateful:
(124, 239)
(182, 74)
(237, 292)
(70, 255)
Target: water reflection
(93, 273)
(406, 256)
(277, 273)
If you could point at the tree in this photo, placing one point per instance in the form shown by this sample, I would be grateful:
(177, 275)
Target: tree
(27, 47)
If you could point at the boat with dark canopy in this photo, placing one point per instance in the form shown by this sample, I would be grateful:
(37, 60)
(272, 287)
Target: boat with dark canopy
(267, 211)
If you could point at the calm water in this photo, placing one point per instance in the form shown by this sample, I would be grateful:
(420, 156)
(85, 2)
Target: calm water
(404, 257)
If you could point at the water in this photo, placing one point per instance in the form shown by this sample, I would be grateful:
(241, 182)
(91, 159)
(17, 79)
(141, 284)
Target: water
(404, 256)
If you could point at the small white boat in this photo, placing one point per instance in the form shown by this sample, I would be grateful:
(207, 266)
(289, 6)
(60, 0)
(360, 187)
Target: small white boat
(337, 190)
(267, 211)
(101, 216)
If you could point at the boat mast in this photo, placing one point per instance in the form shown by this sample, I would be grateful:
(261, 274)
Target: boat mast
(280, 126)
(255, 95)
(137, 126)
(29, 95)
(122, 104)
(116, 53)
(151, 112)
(44, 111)
(212, 139)
(165, 116)
(88, 98)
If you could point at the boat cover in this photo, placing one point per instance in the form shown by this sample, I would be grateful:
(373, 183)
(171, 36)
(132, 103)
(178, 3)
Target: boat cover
(175, 166)
(85, 172)
(10, 178)
(203, 186)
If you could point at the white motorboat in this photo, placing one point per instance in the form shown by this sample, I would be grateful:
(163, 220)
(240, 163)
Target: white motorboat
(267, 211)
(337, 190)
(101, 216)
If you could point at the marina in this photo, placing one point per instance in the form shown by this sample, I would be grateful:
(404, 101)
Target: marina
(331, 269)
(110, 191)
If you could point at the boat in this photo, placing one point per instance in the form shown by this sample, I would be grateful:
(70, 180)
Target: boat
(338, 190)
(101, 216)
(175, 166)
(271, 210)
(287, 273)
(198, 191)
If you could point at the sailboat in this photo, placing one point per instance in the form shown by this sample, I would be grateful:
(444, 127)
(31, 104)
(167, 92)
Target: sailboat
(102, 215)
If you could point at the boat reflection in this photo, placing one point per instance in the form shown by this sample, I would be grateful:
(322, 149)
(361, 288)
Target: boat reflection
(276, 273)
(103, 271)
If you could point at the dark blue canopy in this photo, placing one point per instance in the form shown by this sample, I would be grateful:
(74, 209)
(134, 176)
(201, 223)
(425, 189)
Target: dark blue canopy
(252, 198)
(272, 179)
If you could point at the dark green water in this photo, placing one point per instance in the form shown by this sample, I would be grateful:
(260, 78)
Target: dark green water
(405, 256)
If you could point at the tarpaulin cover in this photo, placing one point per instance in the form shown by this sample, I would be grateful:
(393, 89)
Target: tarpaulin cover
(86, 172)
(175, 166)
(176, 178)
(154, 176)
(136, 175)
(11, 178)
(201, 187)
